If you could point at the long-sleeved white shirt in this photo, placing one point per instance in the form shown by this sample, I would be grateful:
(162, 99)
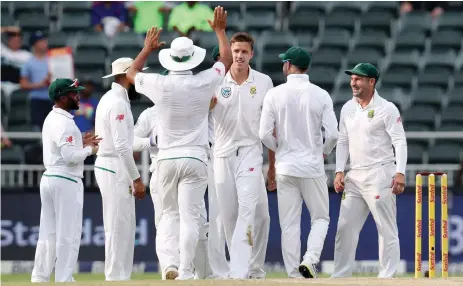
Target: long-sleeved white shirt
(145, 129)
(182, 101)
(114, 123)
(237, 113)
(298, 110)
(367, 135)
(63, 152)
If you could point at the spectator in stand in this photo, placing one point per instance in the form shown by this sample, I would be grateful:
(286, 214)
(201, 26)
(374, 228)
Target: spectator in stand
(85, 115)
(12, 59)
(147, 14)
(190, 16)
(109, 17)
(436, 8)
(35, 77)
(5, 141)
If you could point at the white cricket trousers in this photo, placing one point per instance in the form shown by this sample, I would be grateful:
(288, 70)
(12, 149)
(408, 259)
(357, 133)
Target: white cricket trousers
(243, 204)
(62, 198)
(118, 217)
(181, 185)
(292, 192)
(216, 239)
(365, 191)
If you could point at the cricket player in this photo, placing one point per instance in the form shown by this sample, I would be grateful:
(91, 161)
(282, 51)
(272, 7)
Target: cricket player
(368, 129)
(216, 239)
(61, 188)
(117, 174)
(238, 162)
(298, 109)
(183, 101)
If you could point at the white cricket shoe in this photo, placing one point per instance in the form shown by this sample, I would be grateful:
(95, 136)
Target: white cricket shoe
(171, 272)
(185, 275)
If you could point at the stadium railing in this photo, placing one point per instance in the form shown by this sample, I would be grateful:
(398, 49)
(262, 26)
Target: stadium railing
(26, 175)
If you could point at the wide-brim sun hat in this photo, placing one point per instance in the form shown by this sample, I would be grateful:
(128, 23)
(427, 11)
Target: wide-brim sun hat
(182, 55)
(121, 66)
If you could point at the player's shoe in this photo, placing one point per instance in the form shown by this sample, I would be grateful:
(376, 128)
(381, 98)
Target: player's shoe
(308, 270)
(186, 275)
(171, 272)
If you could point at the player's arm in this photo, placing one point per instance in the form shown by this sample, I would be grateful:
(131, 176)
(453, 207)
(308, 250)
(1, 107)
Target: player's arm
(271, 154)
(342, 147)
(120, 134)
(65, 141)
(142, 140)
(218, 24)
(395, 129)
(330, 124)
(267, 124)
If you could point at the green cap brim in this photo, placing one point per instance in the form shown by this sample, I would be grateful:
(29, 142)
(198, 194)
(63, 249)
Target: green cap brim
(79, 88)
(356, 72)
(282, 56)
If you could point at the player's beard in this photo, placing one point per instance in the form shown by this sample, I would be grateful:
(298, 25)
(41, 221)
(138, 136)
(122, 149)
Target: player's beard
(74, 104)
(133, 94)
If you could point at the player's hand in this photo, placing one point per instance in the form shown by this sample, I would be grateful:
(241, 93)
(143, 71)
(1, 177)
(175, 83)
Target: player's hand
(139, 191)
(152, 39)
(220, 20)
(339, 182)
(91, 139)
(271, 181)
(213, 103)
(398, 184)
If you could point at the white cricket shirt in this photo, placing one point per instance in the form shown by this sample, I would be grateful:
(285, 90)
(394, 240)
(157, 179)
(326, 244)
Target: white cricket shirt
(367, 135)
(145, 128)
(63, 152)
(114, 124)
(237, 113)
(298, 109)
(182, 101)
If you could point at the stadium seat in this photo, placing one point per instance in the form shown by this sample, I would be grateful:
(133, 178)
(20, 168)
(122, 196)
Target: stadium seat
(450, 21)
(397, 79)
(446, 40)
(442, 60)
(138, 108)
(90, 59)
(19, 98)
(362, 55)
(456, 96)
(261, 6)
(33, 21)
(92, 41)
(416, 126)
(20, 128)
(58, 40)
(277, 42)
(452, 114)
(431, 96)
(445, 153)
(337, 111)
(327, 57)
(6, 7)
(383, 6)
(304, 39)
(13, 155)
(19, 115)
(342, 96)
(75, 22)
(335, 38)
(393, 95)
(420, 114)
(206, 40)
(21, 7)
(122, 52)
(128, 40)
(168, 37)
(341, 19)
(4, 104)
(372, 40)
(229, 6)
(356, 7)
(91, 74)
(409, 41)
(416, 21)
(277, 77)
(377, 21)
(308, 22)
(79, 7)
(309, 6)
(451, 126)
(259, 21)
(458, 78)
(404, 60)
(271, 64)
(324, 77)
(153, 60)
(7, 20)
(234, 23)
(415, 153)
(434, 76)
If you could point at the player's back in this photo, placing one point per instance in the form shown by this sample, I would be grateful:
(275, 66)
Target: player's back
(299, 107)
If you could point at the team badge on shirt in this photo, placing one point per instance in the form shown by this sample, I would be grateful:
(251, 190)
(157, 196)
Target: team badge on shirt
(226, 92)
(120, 117)
(69, 139)
(371, 113)
(253, 90)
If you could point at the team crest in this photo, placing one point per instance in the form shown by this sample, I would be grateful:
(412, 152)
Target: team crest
(226, 92)
(371, 114)
(253, 90)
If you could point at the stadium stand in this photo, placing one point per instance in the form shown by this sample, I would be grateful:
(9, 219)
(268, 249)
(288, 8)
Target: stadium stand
(420, 57)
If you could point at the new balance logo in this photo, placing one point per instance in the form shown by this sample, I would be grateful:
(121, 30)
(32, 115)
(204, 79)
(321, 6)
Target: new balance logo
(251, 169)
(376, 197)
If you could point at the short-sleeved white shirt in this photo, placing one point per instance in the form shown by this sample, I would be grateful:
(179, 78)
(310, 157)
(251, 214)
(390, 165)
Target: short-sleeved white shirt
(237, 113)
(183, 102)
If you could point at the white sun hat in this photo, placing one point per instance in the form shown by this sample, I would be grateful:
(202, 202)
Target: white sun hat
(182, 55)
(121, 66)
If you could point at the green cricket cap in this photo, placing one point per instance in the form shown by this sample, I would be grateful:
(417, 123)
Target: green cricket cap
(215, 53)
(364, 69)
(297, 56)
(61, 86)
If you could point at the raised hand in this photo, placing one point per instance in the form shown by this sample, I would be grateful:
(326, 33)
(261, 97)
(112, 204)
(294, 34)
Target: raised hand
(220, 19)
(152, 39)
